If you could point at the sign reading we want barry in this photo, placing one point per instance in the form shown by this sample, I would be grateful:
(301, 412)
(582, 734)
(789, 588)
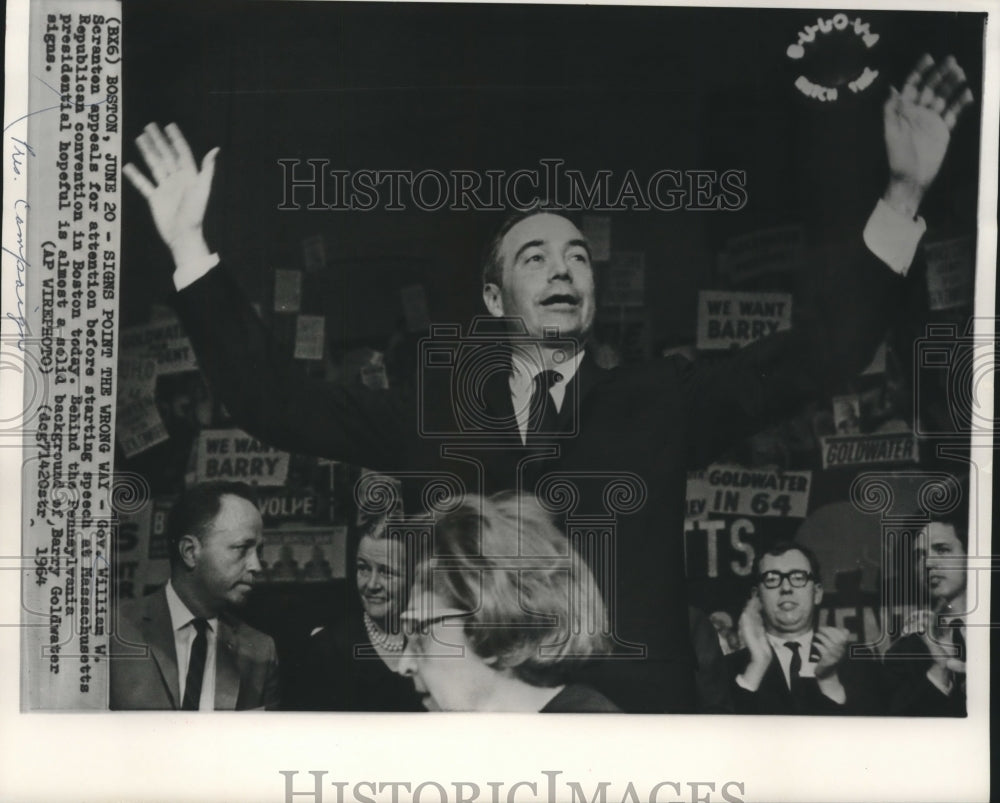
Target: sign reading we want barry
(728, 319)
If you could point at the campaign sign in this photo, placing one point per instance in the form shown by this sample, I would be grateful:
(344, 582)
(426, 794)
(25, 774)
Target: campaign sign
(950, 273)
(774, 250)
(163, 340)
(862, 450)
(231, 454)
(727, 319)
(738, 490)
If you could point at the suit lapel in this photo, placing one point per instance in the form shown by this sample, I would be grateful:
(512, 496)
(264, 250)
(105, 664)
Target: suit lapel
(588, 376)
(775, 680)
(227, 670)
(158, 632)
(496, 397)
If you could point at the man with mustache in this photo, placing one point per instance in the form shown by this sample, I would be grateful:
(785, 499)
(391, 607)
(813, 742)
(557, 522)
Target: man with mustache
(181, 647)
(546, 407)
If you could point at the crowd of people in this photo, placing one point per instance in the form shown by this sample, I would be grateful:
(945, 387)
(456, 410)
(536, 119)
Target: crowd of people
(503, 613)
(497, 611)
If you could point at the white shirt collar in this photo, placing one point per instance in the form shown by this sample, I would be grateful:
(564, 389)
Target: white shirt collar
(778, 642)
(525, 367)
(180, 614)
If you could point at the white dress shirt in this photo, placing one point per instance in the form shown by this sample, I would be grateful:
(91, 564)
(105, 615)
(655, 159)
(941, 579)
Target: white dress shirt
(522, 378)
(182, 623)
(830, 687)
(889, 235)
(785, 655)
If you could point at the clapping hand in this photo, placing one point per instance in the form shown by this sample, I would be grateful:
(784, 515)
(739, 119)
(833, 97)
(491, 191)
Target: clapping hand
(936, 641)
(831, 644)
(753, 635)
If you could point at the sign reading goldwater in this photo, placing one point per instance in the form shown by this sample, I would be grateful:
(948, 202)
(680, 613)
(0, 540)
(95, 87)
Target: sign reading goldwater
(748, 492)
(863, 450)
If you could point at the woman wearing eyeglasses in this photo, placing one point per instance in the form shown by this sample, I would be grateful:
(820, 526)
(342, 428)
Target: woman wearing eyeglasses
(502, 610)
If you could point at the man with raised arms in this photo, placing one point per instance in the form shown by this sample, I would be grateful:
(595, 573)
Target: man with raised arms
(560, 414)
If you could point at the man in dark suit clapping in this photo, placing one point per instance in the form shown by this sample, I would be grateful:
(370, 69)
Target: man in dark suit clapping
(789, 665)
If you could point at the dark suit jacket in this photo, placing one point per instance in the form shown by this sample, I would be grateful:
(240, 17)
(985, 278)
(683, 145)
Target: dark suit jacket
(579, 699)
(860, 679)
(650, 423)
(907, 689)
(144, 672)
(340, 671)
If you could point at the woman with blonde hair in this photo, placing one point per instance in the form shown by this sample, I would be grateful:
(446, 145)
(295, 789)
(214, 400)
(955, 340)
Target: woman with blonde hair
(503, 610)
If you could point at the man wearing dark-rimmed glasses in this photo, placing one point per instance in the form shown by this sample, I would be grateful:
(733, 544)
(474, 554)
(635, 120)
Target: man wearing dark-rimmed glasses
(789, 665)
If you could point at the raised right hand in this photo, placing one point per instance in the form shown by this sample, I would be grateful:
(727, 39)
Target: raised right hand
(178, 193)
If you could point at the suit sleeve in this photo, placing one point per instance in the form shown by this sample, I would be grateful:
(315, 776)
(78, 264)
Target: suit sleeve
(746, 701)
(907, 689)
(861, 677)
(271, 398)
(834, 340)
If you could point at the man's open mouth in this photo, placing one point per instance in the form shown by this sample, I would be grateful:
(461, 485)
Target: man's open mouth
(560, 299)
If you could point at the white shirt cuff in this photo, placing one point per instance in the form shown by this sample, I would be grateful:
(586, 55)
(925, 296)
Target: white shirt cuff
(833, 689)
(893, 237)
(190, 271)
(742, 683)
(945, 689)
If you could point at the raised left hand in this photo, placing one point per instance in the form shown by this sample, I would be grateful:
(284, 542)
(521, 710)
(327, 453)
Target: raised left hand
(918, 125)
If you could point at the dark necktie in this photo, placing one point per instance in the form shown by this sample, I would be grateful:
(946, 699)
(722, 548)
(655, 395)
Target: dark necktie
(542, 414)
(794, 671)
(958, 625)
(196, 666)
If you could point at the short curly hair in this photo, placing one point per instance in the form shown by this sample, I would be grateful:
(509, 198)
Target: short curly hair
(534, 605)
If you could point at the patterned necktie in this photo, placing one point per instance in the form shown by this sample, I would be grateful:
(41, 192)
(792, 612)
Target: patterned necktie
(196, 666)
(796, 667)
(542, 414)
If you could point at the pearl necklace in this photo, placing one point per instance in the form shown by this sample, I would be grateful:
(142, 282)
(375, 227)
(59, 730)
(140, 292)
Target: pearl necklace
(391, 642)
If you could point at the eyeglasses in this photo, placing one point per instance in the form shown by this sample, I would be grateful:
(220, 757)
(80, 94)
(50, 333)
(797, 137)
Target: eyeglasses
(413, 626)
(415, 630)
(797, 578)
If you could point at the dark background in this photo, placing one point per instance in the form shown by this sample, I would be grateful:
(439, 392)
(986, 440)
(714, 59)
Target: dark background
(408, 86)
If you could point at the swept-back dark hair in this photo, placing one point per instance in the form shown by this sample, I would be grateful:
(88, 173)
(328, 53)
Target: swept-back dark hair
(958, 519)
(492, 261)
